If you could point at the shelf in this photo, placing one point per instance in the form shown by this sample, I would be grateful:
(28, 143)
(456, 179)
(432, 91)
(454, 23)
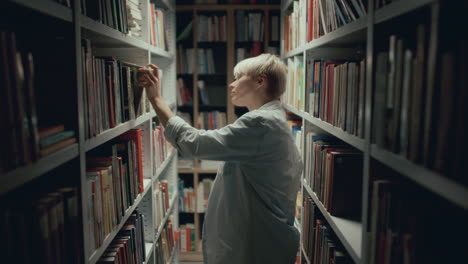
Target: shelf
(349, 232)
(155, 51)
(335, 131)
(190, 171)
(173, 253)
(354, 32)
(294, 52)
(190, 256)
(431, 180)
(47, 7)
(149, 247)
(168, 213)
(208, 7)
(398, 8)
(165, 3)
(304, 254)
(22, 175)
(116, 131)
(98, 252)
(164, 165)
(106, 36)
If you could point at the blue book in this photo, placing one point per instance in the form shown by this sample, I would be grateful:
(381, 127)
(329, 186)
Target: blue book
(50, 140)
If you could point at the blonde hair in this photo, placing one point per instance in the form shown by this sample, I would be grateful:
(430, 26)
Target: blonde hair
(268, 65)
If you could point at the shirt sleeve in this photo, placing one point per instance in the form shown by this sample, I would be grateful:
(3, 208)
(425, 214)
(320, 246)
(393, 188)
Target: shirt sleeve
(235, 142)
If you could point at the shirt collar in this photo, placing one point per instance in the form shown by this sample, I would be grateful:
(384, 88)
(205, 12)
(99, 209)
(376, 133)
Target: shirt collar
(271, 105)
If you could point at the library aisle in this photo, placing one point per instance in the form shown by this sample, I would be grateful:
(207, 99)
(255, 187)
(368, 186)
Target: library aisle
(375, 97)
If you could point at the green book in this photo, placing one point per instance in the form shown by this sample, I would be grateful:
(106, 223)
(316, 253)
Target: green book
(50, 140)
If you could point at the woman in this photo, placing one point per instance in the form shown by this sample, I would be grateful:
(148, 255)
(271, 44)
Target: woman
(251, 207)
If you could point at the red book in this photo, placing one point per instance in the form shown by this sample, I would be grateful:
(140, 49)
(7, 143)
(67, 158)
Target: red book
(256, 48)
(309, 20)
(136, 135)
(49, 131)
(189, 239)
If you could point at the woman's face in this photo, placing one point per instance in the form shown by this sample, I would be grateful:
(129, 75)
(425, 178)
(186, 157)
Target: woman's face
(242, 90)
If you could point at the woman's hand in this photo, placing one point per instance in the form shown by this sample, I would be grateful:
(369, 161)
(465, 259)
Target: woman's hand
(149, 79)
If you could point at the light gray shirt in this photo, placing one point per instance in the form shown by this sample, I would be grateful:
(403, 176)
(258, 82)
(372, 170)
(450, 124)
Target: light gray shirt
(250, 214)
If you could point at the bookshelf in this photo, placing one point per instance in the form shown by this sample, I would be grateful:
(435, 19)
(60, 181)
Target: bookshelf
(220, 78)
(367, 37)
(106, 41)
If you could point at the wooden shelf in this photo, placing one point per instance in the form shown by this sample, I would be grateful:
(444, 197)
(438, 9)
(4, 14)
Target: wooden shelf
(116, 131)
(352, 140)
(398, 8)
(106, 36)
(22, 175)
(47, 7)
(168, 213)
(98, 252)
(190, 171)
(208, 7)
(431, 180)
(190, 256)
(349, 232)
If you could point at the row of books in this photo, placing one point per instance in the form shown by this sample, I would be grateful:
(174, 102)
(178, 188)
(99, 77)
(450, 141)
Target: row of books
(23, 140)
(159, 35)
(312, 19)
(166, 243)
(111, 13)
(115, 178)
(236, 2)
(161, 147)
(250, 26)
(41, 228)
(187, 238)
(161, 202)
(134, 18)
(295, 90)
(211, 28)
(111, 93)
(187, 198)
(212, 120)
(128, 246)
(336, 92)
(255, 50)
(184, 95)
(334, 171)
(320, 244)
(203, 192)
(205, 61)
(414, 114)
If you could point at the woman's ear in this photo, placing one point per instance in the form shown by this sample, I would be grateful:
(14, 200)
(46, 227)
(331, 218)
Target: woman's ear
(261, 80)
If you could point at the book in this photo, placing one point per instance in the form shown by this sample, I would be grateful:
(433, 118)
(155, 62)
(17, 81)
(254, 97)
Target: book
(57, 146)
(45, 142)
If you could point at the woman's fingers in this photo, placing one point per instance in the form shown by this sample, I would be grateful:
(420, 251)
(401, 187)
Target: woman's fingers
(155, 70)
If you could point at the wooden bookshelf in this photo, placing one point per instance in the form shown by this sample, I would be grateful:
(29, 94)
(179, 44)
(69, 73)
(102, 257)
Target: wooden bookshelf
(25, 174)
(106, 41)
(348, 231)
(337, 132)
(364, 35)
(49, 8)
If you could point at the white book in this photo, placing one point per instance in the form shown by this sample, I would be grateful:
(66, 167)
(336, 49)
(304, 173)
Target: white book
(183, 238)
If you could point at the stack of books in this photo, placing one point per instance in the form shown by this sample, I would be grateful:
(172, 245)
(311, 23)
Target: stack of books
(212, 120)
(158, 32)
(166, 243)
(134, 18)
(203, 192)
(187, 198)
(161, 202)
(161, 147)
(110, 13)
(187, 238)
(250, 26)
(211, 28)
(54, 138)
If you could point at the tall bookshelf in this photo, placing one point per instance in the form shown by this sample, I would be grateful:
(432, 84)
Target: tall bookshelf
(365, 39)
(71, 161)
(225, 60)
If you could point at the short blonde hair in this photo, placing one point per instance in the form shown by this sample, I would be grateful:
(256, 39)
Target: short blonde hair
(266, 64)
